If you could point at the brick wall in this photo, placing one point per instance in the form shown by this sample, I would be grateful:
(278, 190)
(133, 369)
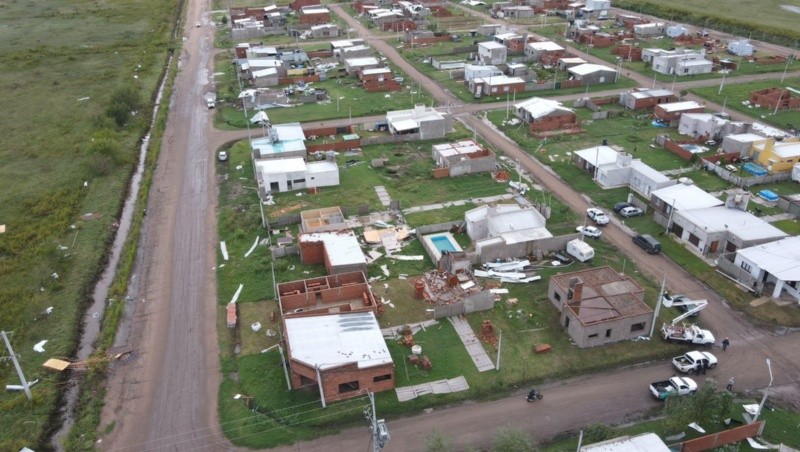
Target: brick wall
(400, 25)
(441, 173)
(312, 252)
(320, 54)
(569, 84)
(673, 147)
(297, 5)
(296, 78)
(315, 19)
(554, 123)
(722, 438)
(418, 41)
(322, 131)
(344, 145)
(373, 86)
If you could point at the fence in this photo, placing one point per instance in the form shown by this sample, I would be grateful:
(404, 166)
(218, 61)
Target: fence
(728, 267)
(537, 248)
(285, 220)
(745, 182)
(439, 227)
(720, 439)
(282, 251)
(389, 139)
(482, 301)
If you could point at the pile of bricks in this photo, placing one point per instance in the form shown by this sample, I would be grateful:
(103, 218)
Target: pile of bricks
(487, 333)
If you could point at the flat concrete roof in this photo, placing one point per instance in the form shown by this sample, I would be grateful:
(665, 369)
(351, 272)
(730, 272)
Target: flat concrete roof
(342, 247)
(742, 224)
(598, 155)
(780, 258)
(686, 197)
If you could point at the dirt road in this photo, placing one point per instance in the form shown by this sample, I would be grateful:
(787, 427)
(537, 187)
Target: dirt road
(166, 398)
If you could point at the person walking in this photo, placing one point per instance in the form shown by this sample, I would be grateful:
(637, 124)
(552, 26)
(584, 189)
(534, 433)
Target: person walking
(730, 385)
(725, 344)
(704, 366)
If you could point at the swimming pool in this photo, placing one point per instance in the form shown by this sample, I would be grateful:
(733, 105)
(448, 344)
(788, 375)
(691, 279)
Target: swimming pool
(769, 195)
(755, 170)
(694, 149)
(439, 243)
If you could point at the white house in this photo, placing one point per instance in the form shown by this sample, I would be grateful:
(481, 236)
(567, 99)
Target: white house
(677, 30)
(741, 47)
(504, 225)
(775, 262)
(281, 175)
(592, 74)
(353, 65)
(722, 229)
(590, 159)
(426, 121)
(537, 108)
(492, 52)
(539, 48)
(597, 5)
(681, 62)
(637, 175)
(473, 71)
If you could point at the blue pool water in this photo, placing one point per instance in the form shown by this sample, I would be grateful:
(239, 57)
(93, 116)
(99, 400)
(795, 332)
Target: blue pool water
(754, 169)
(442, 243)
(769, 195)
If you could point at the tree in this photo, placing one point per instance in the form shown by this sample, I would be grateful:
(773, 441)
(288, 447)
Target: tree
(510, 439)
(124, 100)
(706, 405)
(438, 442)
(595, 433)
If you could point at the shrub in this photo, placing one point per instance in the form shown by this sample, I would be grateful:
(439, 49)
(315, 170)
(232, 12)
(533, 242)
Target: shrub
(510, 439)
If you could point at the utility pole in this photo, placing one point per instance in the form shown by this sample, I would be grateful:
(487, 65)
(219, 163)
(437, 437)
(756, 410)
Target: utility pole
(25, 386)
(658, 305)
(499, 347)
(380, 432)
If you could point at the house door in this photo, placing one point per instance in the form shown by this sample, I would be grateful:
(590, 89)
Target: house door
(730, 247)
(713, 247)
(274, 187)
(677, 230)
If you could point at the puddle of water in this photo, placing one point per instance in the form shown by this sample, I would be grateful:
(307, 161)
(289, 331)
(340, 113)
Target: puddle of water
(94, 314)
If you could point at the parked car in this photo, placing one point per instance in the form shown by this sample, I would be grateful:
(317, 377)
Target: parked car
(589, 231)
(597, 215)
(197, 24)
(630, 211)
(674, 386)
(621, 205)
(693, 361)
(647, 243)
(222, 156)
(683, 303)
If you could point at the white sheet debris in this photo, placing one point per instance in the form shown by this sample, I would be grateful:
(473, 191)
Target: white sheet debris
(385, 270)
(237, 397)
(385, 301)
(402, 277)
(507, 266)
(39, 347)
(255, 326)
(756, 445)
(391, 305)
(224, 250)
(498, 291)
(19, 387)
(697, 427)
(406, 258)
(468, 284)
(54, 275)
(252, 248)
(236, 295)
(521, 280)
(49, 310)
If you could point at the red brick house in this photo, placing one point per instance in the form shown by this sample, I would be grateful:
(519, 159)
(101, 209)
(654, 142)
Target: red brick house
(315, 15)
(297, 5)
(545, 115)
(673, 111)
(775, 97)
(338, 250)
(646, 98)
(343, 292)
(498, 85)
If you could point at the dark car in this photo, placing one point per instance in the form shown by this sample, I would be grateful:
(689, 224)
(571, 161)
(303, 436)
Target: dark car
(647, 243)
(621, 205)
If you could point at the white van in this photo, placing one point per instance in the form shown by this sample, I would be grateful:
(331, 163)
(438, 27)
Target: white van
(580, 250)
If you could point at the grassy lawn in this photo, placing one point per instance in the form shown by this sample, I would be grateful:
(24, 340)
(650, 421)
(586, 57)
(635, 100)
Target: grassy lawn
(63, 133)
(736, 94)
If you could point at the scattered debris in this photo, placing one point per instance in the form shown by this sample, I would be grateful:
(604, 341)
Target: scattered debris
(236, 295)
(697, 427)
(231, 315)
(252, 248)
(237, 397)
(91, 216)
(385, 270)
(499, 291)
(39, 347)
(401, 257)
(19, 387)
(487, 333)
(372, 256)
(224, 250)
(422, 361)
(407, 393)
(255, 326)
(54, 275)
(271, 333)
(56, 364)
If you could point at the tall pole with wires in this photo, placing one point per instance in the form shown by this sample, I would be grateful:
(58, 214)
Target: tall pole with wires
(380, 432)
(25, 386)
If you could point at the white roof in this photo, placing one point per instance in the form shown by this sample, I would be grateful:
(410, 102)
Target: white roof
(355, 48)
(263, 62)
(504, 36)
(742, 224)
(324, 166)
(419, 113)
(570, 60)
(695, 63)
(281, 166)
(589, 68)
(539, 107)
(785, 149)
(647, 93)
(378, 70)
(499, 80)
(598, 155)
(768, 131)
(365, 61)
(342, 43)
(685, 197)
(546, 46)
(491, 45)
(516, 220)
(333, 340)
(341, 247)
(745, 137)
(404, 124)
(265, 72)
(646, 442)
(289, 131)
(780, 258)
(323, 26)
(680, 106)
(649, 172)
(315, 10)
(457, 148)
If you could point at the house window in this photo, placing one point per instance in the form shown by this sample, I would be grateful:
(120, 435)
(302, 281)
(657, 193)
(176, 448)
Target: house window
(382, 378)
(746, 266)
(298, 181)
(557, 296)
(608, 333)
(506, 88)
(592, 336)
(637, 327)
(566, 322)
(348, 387)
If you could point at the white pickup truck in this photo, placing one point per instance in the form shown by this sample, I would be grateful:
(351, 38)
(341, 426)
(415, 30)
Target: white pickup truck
(211, 100)
(597, 215)
(693, 361)
(674, 386)
(691, 334)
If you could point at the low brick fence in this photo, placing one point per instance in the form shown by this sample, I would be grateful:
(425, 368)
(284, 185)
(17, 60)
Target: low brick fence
(720, 439)
(298, 78)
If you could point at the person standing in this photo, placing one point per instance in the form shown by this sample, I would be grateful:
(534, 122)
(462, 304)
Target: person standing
(730, 385)
(704, 366)
(725, 344)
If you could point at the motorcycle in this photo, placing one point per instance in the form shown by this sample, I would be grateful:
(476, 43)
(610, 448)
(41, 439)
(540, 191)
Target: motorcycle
(534, 395)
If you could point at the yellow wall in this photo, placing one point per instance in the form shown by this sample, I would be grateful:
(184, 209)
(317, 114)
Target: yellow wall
(771, 161)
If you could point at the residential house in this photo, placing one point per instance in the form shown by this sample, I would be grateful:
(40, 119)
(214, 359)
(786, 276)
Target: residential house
(545, 114)
(492, 86)
(645, 442)
(517, 11)
(490, 29)
(344, 355)
(265, 77)
(592, 74)
(590, 159)
(338, 250)
(505, 230)
(298, 5)
(777, 156)
(675, 31)
(682, 196)
(595, 6)
(473, 71)
(315, 15)
(679, 62)
(773, 263)
(641, 98)
(519, 70)
(491, 52)
(353, 65)
(775, 98)
(568, 62)
(339, 44)
(599, 306)
(741, 143)
(537, 50)
(672, 111)
(352, 52)
(325, 31)
(722, 229)
(380, 74)
(637, 175)
(288, 174)
(649, 30)
(322, 219)
(463, 157)
(741, 47)
(282, 141)
(422, 120)
(332, 294)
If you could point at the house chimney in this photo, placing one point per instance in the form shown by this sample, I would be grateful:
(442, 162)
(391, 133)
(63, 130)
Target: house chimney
(575, 292)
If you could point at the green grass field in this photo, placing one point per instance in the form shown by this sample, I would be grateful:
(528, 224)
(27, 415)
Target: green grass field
(732, 97)
(67, 150)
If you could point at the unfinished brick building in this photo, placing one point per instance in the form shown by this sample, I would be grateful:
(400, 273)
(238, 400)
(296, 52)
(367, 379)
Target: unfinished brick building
(343, 355)
(771, 98)
(333, 294)
(339, 251)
